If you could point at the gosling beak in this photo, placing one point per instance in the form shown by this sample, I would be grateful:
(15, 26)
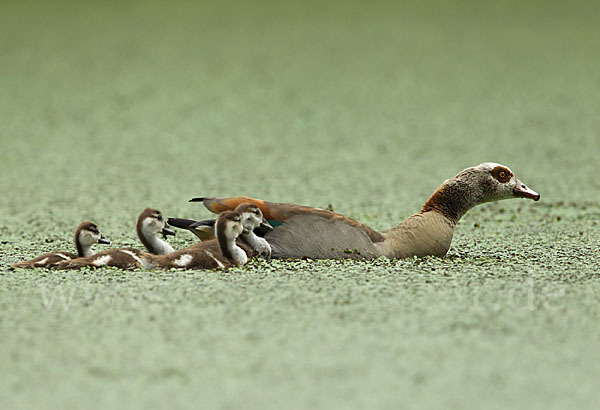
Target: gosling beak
(266, 225)
(522, 191)
(168, 231)
(104, 240)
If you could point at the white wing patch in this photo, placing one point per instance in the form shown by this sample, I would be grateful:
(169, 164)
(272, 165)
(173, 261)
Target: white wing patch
(209, 253)
(102, 260)
(42, 262)
(134, 256)
(183, 260)
(65, 257)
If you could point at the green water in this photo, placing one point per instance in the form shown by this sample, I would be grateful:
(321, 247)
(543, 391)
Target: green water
(112, 107)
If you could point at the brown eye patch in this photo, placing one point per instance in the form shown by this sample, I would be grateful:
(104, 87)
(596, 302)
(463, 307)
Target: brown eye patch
(93, 228)
(501, 174)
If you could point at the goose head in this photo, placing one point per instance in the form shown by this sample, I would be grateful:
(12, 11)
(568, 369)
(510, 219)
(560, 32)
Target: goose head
(486, 182)
(86, 235)
(495, 182)
(252, 217)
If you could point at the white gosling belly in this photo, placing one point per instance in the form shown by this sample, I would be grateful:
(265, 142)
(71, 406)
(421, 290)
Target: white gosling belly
(239, 255)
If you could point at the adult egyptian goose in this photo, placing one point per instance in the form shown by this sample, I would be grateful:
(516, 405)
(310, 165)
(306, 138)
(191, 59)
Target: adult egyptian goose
(252, 219)
(222, 252)
(149, 225)
(86, 235)
(302, 231)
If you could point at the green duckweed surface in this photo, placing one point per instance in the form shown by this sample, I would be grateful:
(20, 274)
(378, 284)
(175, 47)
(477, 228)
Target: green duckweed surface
(110, 107)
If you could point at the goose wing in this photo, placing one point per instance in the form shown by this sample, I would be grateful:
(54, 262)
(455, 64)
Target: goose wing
(282, 212)
(303, 231)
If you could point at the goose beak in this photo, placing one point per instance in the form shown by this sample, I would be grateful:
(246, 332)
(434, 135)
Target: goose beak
(266, 225)
(522, 191)
(104, 240)
(168, 231)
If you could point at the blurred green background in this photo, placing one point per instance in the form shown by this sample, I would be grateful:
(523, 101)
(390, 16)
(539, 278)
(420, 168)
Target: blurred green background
(108, 107)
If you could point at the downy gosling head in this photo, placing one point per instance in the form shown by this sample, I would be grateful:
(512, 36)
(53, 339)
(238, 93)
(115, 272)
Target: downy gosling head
(86, 235)
(150, 224)
(253, 218)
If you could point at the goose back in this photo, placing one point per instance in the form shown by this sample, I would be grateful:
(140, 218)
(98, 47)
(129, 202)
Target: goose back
(282, 212)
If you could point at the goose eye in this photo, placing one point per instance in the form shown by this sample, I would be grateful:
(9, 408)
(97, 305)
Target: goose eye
(501, 174)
